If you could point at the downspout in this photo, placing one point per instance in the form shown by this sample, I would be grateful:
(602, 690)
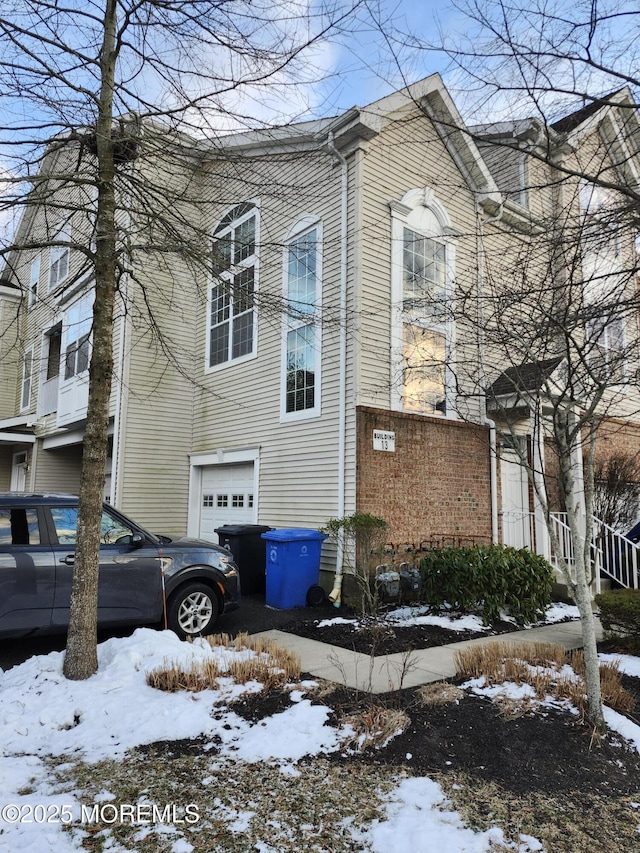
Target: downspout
(486, 420)
(115, 448)
(493, 476)
(336, 593)
(115, 492)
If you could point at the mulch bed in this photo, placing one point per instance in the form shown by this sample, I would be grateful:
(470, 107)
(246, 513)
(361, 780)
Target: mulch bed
(545, 751)
(382, 638)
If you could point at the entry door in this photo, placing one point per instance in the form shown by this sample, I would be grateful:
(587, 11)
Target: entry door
(19, 472)
(516, 517)
(227, 497)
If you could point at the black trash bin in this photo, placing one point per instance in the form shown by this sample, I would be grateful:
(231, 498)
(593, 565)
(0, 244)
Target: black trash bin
(248, 549)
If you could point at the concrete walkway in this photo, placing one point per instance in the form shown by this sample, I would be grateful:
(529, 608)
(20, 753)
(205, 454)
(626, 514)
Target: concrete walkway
(389, 672)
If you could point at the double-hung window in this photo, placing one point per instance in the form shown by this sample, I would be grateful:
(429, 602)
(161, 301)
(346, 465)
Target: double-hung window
(301, 392)
(605, 348)
(424, 338)
(604, 284)
(59, 258)
(77, 338)
(422, 264)
(232, 316)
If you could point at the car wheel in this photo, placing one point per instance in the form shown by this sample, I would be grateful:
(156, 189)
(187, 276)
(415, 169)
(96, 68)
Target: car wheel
(193, 610)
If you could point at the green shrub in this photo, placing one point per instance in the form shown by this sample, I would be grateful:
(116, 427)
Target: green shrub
(491, 578)
(620, 613)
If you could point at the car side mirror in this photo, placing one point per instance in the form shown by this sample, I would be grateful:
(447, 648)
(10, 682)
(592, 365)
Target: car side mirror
(137, 540)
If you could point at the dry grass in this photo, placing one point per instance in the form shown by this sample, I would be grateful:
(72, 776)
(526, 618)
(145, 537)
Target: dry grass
(373, 726)
(171, 677)
(566, 822)
(547, 668)
(439, 693)
(268, 664)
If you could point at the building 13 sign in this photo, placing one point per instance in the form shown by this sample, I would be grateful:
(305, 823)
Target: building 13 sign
(384, 440)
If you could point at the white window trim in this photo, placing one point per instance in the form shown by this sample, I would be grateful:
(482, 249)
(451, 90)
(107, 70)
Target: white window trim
(255, 211)
(305, 224)
(73, 331)
(34, 280)
(617, 355)
(56, 253)
(443, 233)
(28, 355)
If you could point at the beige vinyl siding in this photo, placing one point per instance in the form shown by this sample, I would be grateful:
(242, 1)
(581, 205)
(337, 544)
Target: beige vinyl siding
(156, 400)
(407, 155)
(57, 470)
(238, 405)
(10, 354)
(6, 461)
(594, 156)
(508, 169)
(541, 180)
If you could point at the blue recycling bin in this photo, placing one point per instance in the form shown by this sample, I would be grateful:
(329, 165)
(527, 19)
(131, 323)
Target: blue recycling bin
(293, 565)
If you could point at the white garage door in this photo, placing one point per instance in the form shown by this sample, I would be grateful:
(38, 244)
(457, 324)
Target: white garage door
(226, 497)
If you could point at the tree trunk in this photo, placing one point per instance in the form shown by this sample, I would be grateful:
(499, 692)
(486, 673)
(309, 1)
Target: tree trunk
(581, 589)
(81, 658)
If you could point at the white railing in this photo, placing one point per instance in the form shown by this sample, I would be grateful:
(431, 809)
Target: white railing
(562, 533)
(612, 554)
(48, 397)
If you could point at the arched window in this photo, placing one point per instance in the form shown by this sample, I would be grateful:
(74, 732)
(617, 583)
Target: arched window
(423, 263)
(231, 329)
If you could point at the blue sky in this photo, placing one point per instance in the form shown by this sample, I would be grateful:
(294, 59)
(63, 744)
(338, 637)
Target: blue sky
(370, 64)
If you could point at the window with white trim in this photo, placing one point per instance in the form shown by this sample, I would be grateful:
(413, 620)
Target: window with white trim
(603, 283)
(423, 261)
(53, 338)
(27, 378)
(301, 346)
(59, 258)
(231, 326)
(77, 336)
(34, 278)
(605, 346)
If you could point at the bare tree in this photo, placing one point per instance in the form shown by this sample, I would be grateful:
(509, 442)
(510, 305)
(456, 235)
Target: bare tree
(554, 308)
(106, 107)
(617, 490)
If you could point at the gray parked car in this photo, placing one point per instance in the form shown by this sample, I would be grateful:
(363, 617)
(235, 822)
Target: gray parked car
(37, 553)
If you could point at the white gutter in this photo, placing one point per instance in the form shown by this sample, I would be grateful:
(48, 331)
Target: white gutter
(114, 494)
(486, 420)
(115, 446)
(493, 478)
(335, 594)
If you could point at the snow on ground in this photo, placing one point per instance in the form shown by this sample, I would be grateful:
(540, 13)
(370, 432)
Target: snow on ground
(417, 820)
(423, 614)
(627, 664)
(42, 713)
(559, 612)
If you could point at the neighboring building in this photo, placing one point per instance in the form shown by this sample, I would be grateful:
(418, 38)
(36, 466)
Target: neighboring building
(365, 393)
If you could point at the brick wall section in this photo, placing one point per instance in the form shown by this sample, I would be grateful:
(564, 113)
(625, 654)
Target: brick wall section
(435, 485)
(617, 437)
(613, 437)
